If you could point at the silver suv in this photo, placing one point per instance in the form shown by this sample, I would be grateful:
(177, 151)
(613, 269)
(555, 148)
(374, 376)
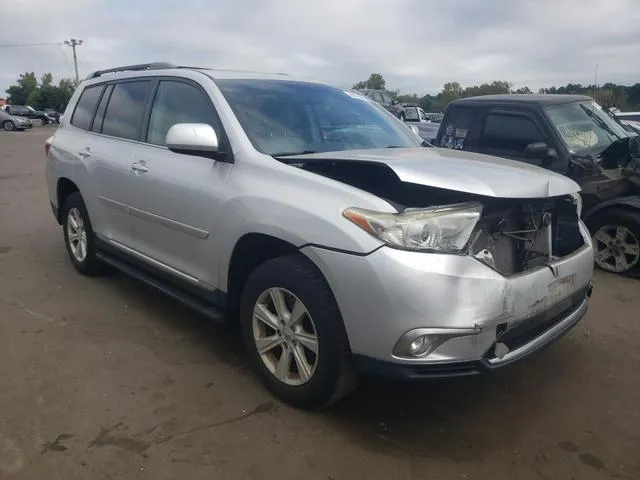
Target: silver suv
(340, 242)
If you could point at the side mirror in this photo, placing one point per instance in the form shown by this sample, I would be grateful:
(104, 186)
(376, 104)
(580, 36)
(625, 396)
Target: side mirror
(538, 150)
(192, 139)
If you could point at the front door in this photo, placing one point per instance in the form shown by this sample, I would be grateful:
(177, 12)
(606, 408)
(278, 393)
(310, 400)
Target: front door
(176, 197)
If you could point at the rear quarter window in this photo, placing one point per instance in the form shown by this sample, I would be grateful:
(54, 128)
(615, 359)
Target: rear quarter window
(85, 107)
(456, 128)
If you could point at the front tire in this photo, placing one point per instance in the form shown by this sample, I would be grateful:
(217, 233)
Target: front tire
(294, 333)
(78, 236)
(616, 241)
(8, 126)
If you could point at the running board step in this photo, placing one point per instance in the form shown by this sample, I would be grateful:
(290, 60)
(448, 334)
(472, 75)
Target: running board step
(208, 310)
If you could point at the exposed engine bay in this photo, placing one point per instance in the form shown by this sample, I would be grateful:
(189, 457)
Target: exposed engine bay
(513, 235)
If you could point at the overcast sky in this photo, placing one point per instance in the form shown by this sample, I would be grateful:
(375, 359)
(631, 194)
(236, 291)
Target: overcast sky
(417, 45)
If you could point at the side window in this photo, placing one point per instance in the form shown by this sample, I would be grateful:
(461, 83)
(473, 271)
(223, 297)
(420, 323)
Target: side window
(456, 127)
(84, 108)
(423, 116)
(386, 98)
(376, 96)
(96, 126)
(509, 132)
(178, 102)
(125, 111)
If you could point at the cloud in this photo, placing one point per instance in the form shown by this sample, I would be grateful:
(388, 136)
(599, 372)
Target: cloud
(417, 45)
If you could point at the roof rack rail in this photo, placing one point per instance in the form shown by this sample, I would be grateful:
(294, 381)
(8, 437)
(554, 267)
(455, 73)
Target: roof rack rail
(213, 69)
(141, 66)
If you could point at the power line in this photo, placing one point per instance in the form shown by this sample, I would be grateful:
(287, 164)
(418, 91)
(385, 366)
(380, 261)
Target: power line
(37, 44)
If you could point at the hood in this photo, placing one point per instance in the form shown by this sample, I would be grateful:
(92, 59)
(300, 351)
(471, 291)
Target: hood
(459, 170)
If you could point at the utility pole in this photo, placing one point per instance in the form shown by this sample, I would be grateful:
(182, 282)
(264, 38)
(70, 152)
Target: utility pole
(595, 83)
(73, 43)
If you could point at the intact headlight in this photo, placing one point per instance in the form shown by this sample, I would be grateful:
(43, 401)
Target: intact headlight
(441, 229)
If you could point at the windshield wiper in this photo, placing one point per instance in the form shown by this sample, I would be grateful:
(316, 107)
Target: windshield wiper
(601, 123)
(292, 154)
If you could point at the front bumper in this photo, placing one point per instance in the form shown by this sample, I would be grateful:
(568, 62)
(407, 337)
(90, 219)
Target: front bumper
(388, 293)
(538, 339)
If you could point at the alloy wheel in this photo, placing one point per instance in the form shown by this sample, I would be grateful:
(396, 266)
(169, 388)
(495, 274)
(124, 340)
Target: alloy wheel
(285, 336)
(617, 249)
(77, 235)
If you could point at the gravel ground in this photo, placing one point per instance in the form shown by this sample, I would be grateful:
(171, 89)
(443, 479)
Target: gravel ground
(103, 378)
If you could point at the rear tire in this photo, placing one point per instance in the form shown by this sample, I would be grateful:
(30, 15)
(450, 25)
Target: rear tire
(616, 240)
(8, 126)
(79, 237)
(316, 379)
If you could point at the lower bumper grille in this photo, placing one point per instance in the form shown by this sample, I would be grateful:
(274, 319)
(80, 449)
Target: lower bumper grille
(527, 330)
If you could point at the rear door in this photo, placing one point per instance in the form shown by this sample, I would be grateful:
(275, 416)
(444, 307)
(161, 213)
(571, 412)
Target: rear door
(175, 197)
(118, 126)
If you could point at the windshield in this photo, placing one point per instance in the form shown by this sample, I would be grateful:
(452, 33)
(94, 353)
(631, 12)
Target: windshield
(584, 127)
(286, 117)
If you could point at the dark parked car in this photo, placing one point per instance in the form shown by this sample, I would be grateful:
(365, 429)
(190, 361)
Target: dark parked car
(52, 114)
(28, 112)
(386, 100)
(572, 135)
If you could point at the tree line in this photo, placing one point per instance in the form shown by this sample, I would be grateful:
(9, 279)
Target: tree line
(41, 94)
(608, 95)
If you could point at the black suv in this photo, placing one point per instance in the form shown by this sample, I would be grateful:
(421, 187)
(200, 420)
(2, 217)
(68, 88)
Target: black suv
(572, 135)
(386, 100)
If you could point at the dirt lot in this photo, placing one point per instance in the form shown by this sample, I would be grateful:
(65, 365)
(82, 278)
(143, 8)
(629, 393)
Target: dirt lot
(102, 378)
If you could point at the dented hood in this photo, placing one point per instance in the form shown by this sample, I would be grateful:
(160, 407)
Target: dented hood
(459, 170)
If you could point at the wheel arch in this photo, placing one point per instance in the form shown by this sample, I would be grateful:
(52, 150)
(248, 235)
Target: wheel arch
(64, 188)
(250, 251)
(631, 203)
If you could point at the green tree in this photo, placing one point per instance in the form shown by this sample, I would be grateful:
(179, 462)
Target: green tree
(524, 89)
(375, 82)
(26, 85)
(46, 80)
(45, 95)
(450, 91)
(429, 103)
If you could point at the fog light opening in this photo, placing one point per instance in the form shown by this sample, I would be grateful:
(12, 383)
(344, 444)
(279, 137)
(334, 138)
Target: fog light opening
(420, 346)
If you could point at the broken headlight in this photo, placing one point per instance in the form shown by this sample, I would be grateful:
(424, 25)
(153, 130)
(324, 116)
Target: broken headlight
(443, 229)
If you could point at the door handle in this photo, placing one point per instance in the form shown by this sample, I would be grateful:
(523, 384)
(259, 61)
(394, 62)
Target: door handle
(139, 167)
(85, 153)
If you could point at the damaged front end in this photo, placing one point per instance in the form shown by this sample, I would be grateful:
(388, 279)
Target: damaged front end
(510, 235)
(514, 236)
